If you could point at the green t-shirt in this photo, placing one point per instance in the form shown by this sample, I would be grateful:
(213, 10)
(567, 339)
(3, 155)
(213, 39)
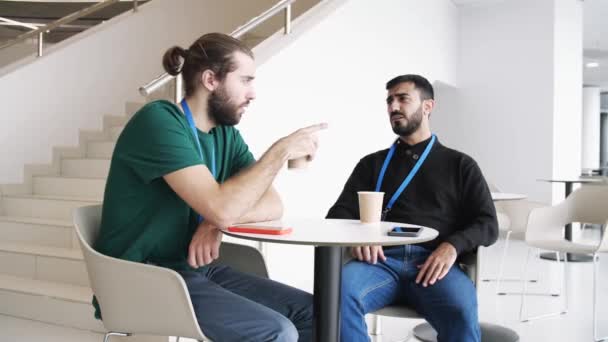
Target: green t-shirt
(143, 219)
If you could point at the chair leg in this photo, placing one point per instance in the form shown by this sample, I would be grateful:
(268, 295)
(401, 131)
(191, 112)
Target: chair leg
(563, 290)
(106, 337)
(500, 279)
(596, 263)
(537, 257)
(377, 326)
(502, 262)
(525, 287)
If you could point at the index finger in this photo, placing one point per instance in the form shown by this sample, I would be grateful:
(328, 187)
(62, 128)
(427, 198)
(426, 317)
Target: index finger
(314, 128)
(423, 270)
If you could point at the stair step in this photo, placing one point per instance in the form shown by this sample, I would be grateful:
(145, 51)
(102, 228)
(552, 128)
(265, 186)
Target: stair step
(44, 207)
(63, 265)
(85, 168)
(115, 131)
(46, 301)
(68, 186)
(27, 230)
(100, 149)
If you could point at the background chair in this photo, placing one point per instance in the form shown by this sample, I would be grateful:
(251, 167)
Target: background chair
(137, 298)
(588, 204)
(470, 263)
(512, 220)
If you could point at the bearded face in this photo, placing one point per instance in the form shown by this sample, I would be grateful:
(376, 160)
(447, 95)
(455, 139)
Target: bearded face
(403, 124)
(222, 109)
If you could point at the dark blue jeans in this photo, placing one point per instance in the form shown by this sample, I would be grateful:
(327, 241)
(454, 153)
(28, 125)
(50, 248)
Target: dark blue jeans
(450, 305)
(234, 306)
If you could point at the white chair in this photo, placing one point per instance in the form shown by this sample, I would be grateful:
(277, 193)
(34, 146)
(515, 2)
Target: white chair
(513, 219)
(137, 298)
(588, 204)
(424, 332)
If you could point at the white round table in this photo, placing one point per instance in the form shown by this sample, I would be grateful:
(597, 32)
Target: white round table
(329, 236)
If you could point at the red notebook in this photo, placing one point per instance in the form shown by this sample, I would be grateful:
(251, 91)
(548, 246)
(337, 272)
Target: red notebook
(260, 230)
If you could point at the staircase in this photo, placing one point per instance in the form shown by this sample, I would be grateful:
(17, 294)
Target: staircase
(42, 272)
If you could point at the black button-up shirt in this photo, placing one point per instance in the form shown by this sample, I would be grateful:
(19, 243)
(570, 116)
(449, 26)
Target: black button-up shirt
(449, 194)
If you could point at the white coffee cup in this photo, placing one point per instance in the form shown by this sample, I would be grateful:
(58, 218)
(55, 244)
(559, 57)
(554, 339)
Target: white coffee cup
(370, 206)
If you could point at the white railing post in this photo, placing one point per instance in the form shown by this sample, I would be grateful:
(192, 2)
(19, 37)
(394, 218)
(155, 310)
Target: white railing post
(178, 88)
(288, 19)
(40, 43)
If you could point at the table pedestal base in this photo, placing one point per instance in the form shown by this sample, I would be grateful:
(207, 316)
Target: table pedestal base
(328, 279)
(571, 257)
(489, 333)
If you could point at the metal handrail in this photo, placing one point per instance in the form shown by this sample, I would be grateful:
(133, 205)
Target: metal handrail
(34, 26)
(39, 32)
(164, 78)
(11, 22)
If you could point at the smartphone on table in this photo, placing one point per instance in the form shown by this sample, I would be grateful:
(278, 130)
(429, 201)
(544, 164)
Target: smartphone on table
(406, 231)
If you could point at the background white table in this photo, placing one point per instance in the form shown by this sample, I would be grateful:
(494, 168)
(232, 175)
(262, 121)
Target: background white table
(329, 236)
(505, 196)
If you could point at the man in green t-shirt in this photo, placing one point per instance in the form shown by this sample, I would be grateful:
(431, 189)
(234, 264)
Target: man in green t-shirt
(180, 173)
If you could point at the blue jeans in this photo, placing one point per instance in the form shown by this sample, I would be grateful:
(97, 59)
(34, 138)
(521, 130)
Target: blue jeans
(450, 305)
(234, 306)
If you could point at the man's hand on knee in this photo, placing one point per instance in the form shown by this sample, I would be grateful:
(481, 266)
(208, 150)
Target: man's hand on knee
(369, 254)
(205, 245)
(437, 265)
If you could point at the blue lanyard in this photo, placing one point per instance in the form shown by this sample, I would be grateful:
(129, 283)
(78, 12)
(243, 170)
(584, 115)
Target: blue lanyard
(195, 134)
(407, 179)
(188, 113)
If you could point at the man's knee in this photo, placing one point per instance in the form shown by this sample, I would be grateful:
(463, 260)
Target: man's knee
(284, 331)
(466, 313)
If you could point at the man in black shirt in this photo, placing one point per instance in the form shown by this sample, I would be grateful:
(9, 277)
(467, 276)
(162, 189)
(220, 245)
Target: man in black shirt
(448, 193)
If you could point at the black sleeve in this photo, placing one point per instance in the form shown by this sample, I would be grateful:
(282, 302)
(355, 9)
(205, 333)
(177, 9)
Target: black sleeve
(480, 226)
(347, 205)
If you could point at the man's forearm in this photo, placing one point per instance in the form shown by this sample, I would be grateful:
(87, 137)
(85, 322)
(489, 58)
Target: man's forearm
(268, 208)
(239, 195)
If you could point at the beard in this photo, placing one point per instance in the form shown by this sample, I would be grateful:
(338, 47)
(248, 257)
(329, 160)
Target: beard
(413, 123)
(222, 109)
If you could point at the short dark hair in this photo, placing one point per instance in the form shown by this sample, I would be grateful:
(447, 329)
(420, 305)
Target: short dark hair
(422, 84)
(213, 51)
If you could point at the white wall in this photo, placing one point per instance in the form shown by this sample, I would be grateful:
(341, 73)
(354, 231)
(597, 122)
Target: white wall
(519, 92)
(336, 72)
(567, 96)
(591, 128)
(82, 78)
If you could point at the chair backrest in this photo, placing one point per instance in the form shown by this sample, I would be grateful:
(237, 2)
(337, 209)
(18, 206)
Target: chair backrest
(470, 264)
(588, 204)
(517, 212)
(242, 258)
(134, 297)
